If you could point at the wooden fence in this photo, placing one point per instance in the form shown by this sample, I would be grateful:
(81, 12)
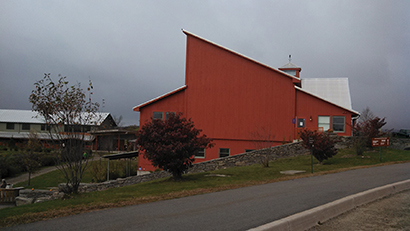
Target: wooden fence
(8, 195)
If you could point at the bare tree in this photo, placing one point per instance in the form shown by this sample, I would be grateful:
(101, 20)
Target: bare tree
(69, 112)
(30, 159)
(263, 138)
(368, 127)
(366, 115)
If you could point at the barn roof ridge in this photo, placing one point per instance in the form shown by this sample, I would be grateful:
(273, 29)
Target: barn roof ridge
(137, 108)
(326, 100)
(239, 54)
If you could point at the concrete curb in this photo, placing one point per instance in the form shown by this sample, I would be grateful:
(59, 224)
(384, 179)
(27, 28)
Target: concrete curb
(309, 218)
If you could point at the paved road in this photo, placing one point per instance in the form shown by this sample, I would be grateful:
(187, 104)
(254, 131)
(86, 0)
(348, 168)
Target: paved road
(238, 209)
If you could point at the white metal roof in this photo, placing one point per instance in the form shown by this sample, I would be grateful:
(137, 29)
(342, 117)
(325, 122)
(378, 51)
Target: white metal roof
(20, 116)
(335, 90)
(32, 117)
(319, 97)
(289, 65)
(40, 135)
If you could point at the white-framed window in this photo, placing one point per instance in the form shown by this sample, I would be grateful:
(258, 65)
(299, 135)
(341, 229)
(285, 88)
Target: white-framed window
(249, 150)
(323, 122)
(290, 72)
(338, 123)
(223, 152)
(157, 115)
(200, 153)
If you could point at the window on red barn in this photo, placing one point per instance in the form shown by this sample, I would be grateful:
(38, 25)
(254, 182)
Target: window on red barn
(200, 153)
(167, 114)
(338, 123)
(301, 123)
(156, 115)
(223, 152)
(323, 123)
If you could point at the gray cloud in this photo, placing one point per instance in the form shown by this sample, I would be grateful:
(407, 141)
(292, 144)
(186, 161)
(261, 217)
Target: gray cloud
(134, 50)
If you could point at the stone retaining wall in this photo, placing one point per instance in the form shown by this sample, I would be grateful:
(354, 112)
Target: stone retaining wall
(120, 182)
(249, 158)
(28, 196)
(395, 143)
(244, 159)
(254, 157)
(400, 143)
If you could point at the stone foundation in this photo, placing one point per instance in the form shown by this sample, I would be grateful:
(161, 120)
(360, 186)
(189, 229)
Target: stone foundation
(250, 158)
(120, 182)
(400, 143)
(28, 196)
(244, 159)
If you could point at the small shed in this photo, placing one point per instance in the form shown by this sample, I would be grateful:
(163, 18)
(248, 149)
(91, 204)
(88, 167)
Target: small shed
(124, 155)
(114, 139)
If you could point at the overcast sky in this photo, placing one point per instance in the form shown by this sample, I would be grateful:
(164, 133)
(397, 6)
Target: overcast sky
(134, 51)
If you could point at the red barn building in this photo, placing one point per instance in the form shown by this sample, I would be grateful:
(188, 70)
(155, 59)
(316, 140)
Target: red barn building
(239, 102)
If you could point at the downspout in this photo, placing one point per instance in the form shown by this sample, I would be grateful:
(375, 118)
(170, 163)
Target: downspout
(354, 119)
(295, 116)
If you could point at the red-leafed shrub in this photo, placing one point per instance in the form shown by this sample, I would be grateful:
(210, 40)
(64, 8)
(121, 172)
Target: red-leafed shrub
(367, 129)
(171, 144)
(321, 144)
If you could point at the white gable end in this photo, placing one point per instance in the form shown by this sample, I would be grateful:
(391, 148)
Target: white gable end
(335, 90)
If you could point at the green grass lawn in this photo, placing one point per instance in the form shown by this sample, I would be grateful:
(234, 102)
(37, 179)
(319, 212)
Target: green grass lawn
(192, 184)
(52, 179)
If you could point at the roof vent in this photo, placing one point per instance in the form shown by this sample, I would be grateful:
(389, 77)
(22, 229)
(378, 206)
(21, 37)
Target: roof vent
(291, 68)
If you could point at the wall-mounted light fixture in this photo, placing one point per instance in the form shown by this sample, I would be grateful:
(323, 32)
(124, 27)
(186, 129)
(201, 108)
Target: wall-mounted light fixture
(311, 119)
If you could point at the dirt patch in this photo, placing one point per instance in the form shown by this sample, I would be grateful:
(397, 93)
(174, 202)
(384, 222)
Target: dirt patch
(390, 213)
(292, 172)
(218, 175)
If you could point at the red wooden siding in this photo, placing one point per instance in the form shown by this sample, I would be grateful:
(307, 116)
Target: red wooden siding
(232, 97)
(171, 103)
(229, 96)
(309, 106)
